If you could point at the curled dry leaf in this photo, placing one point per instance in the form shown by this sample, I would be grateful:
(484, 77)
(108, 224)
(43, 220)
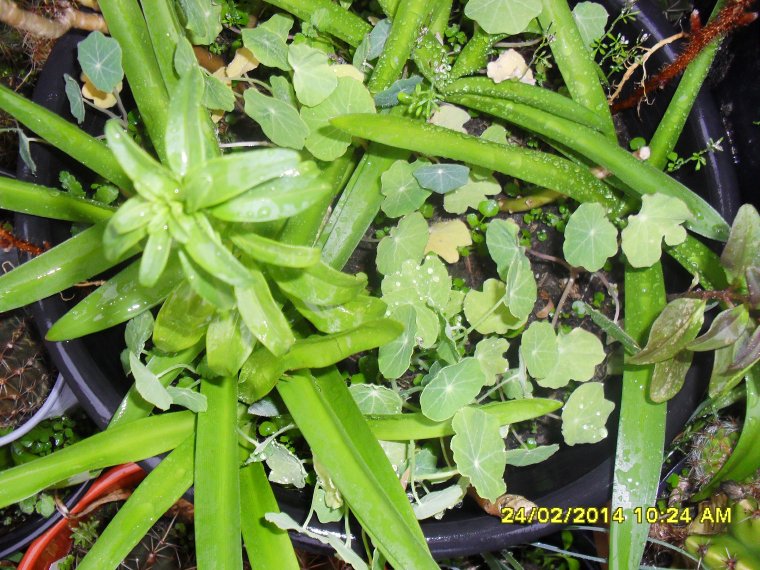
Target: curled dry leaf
(99, 98)
(243, 62)
(446, 238)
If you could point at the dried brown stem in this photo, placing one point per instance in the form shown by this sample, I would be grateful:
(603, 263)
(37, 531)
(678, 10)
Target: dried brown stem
(42, 27)
(8, 240)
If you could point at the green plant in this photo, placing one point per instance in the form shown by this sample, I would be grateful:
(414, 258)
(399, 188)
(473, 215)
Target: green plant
(238, 255)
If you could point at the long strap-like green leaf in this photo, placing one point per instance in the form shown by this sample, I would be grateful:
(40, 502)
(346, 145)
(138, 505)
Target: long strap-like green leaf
(217, 481)
(36, 200)
(340, 439)
(131, 442)
(641, 429)
(149, 502)
(64, 136)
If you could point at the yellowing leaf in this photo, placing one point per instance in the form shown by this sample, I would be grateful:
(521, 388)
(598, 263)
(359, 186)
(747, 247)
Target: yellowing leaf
(243, 62)
(348, 70)
(451, 117)
(510, 65)
(446, 237)
(101, 99)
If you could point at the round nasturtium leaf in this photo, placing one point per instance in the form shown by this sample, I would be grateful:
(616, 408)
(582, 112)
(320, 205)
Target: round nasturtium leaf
(406, 241)
(503, 16)
(487, 312)
(376, 400)
(452, 388)
(660, 218)
(590, 238)
(479, 451)
(442, 178)
(403, 194)
(100, 59)
(490, 353)
(394, 358)
(313, 79)
(279, 120)
(585, 414)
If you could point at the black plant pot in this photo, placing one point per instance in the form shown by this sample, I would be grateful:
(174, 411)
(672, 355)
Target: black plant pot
(575, 476)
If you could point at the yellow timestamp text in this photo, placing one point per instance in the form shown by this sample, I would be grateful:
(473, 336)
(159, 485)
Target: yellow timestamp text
(606, 515)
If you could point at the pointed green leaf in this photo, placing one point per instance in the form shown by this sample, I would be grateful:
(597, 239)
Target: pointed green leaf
(182, 320)
(148, 385)
(741, 251)
(229, 343)
(155, 257)
(725, 330)
(74, 95)
(263, 316)
(669, 375)
(274, 252)
(673, 330)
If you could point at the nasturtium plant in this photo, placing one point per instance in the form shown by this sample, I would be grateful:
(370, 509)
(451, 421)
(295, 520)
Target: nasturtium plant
(452, 388)
(313, 79)
(487, 311)
(279, 120)
(590, 238)
(74, 95)
(522, 457)
(202, 20)
(393, 358)
(539, 349)
(436, 503)
(406, 241)
(489, 352)
(450, 117)
(591, 19)
(372, 45)
(585, 414)
(376, 400)
(479, 451)
(503, 16)
(403, 193)
(100, 58)
(660, 218)
(442, 178)
(469, 196)
(267, 41)
(446, 237)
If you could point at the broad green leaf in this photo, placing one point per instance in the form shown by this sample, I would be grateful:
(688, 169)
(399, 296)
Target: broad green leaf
(313, 79)
(661, 217)
(450, 117)
(188, 140)
(202, 19)
(442, 178)
(280, 24)
(669, 375)
(613, 330)
(279, 120)
(286, 522)
(325, 141)
(276, 199)
(446, 237)
(276, 252)
(100, 59)
(148, 384)
(187, 398)
(283, 90)
(434, 504)
(470, 195)
(372, 45)
(489, 352)
(394, 358)
(673, 330)
(284, 467)
(74, 95)
(263, 316)
(502, 239)
(722, 378)
(182, 320)
(487, 312)
(389, 97)
(521, 457)
(155, 257)
(585, 414)
(428, 284)
(539, 349)
(522, 290)
(503, 16)
(741, 251)
(354, 313)
(206, 249)
(591, 19)
(217, 95)
(452, 388)
(579, 352)
(213, 290)
(267, 46)
(319, 284)
(725, 330)
(228, 343)
(403, 194)
(138, 331)
(590, 238)
(184, 57)
(495, 133)
(479, 451)
(376, 400)
(406, 241)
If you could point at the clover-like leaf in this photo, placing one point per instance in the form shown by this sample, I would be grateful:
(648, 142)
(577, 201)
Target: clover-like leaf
(403, 194)
(442, 178)
(313, 79)
(279, 120)
(376, 400)
(470, 195)
(503, 16)
(521, 457)
(267, 41)
(489, 352)
(479, 451)
(672, 331)
(591, 19)
(406, 241)
(452, 388)
(100, 59)
(539, 349)
(446, 238)
(326, 142)
(661, 217)
(590, 238)
(741, 251)
(585, 413)
(394, 358)
(487, 312)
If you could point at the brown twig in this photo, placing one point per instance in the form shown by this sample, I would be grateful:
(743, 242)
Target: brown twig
(733, 16)
(42, 27)
(8, 240)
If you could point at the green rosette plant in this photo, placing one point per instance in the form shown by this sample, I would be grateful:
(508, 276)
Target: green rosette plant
(239, 255)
